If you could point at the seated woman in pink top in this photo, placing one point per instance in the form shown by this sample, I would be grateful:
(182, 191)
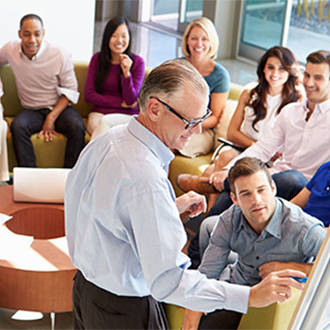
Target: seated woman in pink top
(114, 79)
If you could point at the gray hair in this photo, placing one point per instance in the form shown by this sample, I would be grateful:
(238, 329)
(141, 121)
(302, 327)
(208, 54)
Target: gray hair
(171, 78)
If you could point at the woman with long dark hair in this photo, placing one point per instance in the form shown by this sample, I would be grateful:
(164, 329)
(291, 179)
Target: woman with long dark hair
(278, 79)
(114, 79)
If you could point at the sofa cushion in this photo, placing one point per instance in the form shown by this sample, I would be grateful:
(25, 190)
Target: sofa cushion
(222, 127)
(10, 101)
(82, 106)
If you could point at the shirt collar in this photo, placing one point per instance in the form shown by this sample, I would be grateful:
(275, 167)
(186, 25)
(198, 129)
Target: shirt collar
(323, 107)
(41, 50)
(156, 146)
(275, 223)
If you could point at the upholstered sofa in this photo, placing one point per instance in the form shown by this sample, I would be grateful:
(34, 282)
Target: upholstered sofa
(51, 154)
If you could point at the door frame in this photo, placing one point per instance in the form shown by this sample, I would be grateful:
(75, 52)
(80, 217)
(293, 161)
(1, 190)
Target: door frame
(253, 53)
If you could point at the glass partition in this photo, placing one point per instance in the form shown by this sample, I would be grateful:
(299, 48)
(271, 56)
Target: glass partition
(302, 26)
(189, 10)
(262, 26)
(176, 14)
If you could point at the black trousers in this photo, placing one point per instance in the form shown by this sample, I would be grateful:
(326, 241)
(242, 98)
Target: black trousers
(95, 308)
(220, 319)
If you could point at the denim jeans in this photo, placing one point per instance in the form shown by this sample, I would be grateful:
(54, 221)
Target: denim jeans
(288, 184)
(29, 122)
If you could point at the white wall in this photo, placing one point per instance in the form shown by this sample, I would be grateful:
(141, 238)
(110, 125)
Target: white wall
(226, 21)
(68, 23)
(225, 15)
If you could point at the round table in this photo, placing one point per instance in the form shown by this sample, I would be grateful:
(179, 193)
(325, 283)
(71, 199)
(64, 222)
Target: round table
(37, 276)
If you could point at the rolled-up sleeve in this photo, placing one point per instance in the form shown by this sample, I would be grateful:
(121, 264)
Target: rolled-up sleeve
(311, 242)
(68, 85)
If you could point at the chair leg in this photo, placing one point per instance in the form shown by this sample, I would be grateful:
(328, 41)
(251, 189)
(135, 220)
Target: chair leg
(52, 321)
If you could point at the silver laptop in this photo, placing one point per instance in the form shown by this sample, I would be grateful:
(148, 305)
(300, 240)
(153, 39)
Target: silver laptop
(39, 185)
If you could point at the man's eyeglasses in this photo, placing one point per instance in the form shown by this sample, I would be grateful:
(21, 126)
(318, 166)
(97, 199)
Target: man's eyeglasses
(190, 124)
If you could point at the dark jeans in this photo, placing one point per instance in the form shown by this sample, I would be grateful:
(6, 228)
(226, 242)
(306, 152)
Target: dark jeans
(95, 308)
(220, 319)
(288, 184)
(29, 122)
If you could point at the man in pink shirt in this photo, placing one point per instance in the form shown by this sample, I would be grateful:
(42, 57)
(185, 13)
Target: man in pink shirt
(46, 85)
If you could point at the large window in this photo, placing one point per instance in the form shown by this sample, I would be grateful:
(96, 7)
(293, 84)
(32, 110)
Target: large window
(309, 28)
(176, 14)
(171, 16)
(302, 26)
(263, 23)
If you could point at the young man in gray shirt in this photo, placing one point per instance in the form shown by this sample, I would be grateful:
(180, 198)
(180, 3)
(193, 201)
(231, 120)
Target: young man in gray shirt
(266, 232)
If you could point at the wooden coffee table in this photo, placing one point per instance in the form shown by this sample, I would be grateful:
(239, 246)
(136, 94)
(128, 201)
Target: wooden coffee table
(36, 277)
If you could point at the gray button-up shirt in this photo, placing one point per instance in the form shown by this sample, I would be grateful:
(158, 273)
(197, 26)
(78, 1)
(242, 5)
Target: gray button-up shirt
(291, 235)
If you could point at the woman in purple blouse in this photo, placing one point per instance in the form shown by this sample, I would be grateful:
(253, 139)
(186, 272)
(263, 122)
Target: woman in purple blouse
(114, 79)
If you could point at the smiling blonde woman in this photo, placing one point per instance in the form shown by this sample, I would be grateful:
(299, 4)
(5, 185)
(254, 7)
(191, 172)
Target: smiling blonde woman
(200, 46)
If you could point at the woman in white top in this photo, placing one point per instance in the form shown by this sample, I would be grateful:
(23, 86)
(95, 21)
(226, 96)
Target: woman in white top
(278, 85)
